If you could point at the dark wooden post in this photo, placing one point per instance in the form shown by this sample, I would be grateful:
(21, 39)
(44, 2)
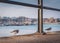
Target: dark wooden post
(40, 16)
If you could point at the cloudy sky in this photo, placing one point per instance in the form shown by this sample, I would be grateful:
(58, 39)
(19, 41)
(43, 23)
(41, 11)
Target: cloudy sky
(53, 4)
(10, 10)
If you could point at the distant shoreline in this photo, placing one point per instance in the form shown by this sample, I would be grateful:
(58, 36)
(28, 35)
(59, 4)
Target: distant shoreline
(18, 25)
(52, 23)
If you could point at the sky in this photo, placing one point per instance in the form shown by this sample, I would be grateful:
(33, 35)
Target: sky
(10, 10)
(51, 13)
(27, 1)
(16, 11)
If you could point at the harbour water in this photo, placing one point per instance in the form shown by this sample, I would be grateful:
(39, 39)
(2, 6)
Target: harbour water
(5, 31)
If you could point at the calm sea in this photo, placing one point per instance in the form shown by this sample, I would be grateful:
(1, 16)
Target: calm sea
(5, 31)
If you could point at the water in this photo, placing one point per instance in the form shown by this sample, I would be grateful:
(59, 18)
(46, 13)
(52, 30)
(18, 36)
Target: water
(55, 27)
(5, 31)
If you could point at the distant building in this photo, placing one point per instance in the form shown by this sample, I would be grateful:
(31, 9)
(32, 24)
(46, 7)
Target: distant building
(58, 19)
(18, 21)
(45, 20)
(49, 20)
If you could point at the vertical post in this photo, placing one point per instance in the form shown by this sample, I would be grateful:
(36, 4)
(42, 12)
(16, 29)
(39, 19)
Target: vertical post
(40, 16)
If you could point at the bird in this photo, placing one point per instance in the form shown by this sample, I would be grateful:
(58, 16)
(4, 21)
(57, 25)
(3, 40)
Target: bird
(15, 31)
(48, 29)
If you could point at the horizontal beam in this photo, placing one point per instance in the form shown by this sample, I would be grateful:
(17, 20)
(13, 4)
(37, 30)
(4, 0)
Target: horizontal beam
(49, 8)
(29, 5)
(20, 3)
